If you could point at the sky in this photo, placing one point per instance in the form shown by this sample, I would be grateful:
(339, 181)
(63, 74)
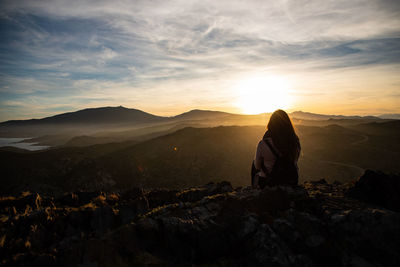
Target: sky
(168, 57)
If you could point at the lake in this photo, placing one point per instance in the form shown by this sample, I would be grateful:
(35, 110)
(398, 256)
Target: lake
(18, 142)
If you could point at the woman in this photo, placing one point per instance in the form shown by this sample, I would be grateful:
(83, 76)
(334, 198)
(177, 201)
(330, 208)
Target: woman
(277, 153)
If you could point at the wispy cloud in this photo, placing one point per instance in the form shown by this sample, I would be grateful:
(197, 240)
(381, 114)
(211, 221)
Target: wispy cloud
(166, 56)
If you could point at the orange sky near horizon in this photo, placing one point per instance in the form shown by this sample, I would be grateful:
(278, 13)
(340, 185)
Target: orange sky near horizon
(169, 57)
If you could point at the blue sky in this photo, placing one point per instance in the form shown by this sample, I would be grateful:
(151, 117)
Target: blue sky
(166, 57)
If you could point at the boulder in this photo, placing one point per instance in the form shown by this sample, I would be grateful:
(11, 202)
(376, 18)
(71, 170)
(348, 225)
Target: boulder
(378, 188)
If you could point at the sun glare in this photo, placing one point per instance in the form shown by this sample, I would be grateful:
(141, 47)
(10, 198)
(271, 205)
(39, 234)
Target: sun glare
(259, 94)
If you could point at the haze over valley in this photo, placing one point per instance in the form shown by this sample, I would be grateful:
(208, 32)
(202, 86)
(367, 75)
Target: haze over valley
(113, 148)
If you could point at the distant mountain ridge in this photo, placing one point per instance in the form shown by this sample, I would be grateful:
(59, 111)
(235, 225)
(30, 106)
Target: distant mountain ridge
(393, 116)
(102, 115)
(314, 116)
(120, 114)
(130, 123)
(201, 114)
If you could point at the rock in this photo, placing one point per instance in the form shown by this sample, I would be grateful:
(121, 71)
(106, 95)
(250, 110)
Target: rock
(379, 189)
(321, 181)
(86, 197)
(314, 240)
(265, 248)
(286, 230)
(68, 199)
(311, 225)
(127, 211)
(103, 219)
(249, 225)
(160, 197)
(132, 194)
(196, 194)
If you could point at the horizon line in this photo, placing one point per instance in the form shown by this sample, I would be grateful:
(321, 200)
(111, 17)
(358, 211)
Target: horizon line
(206, 110)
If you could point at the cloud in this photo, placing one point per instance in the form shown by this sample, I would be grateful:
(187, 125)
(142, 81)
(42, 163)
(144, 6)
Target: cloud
(191, 48)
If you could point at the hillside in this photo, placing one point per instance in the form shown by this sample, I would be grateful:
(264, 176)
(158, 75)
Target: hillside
(313, 116)
(316, 224)
(81, 122)
(122, 115)
(191, 157)
(197, 114)
(116, 122)
(103, 115)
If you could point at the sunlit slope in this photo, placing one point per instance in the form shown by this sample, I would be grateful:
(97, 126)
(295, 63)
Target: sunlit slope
(190, 156)
(193, 156)
(121, 124)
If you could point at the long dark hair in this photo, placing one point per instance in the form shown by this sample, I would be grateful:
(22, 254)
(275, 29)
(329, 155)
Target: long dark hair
(283, 134)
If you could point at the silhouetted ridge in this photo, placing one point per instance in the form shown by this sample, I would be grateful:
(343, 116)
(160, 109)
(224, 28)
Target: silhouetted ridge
(201, 114)
(115, 115)
(103, 115)
(313, 116)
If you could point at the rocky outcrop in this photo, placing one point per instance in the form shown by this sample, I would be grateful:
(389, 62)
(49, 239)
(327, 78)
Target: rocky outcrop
(378, 188)
(316, 224)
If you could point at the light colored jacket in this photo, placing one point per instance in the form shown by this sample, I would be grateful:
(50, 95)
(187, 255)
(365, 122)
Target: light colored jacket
(264, 155)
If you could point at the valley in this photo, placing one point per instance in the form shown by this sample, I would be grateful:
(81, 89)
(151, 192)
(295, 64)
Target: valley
(192, 152)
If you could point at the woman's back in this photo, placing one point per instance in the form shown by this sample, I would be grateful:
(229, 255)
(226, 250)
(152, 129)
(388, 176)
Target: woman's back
(265, 156)
(279, 146)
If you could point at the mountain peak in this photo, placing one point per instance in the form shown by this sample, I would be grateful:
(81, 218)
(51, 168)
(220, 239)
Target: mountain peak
(199, 113)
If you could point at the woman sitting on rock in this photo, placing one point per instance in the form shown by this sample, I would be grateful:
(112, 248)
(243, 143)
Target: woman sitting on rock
(277, 153)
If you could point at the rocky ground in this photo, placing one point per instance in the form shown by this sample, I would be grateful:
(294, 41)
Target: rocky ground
(316, 224)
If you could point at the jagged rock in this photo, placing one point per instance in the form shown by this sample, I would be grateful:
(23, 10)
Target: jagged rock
(311, 225)
(378, 188)
(127, 211)
(159, 197)
(195, 194)
(103, 219)
(132, 194)
(68, 199)
(374, 232)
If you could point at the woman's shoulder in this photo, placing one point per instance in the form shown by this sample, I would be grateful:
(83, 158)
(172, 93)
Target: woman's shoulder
(270, 144)
(269, 138)
(265, 140)
(262, 144)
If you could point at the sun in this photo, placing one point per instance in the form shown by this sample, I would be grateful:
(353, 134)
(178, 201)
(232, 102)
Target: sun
(260, 94)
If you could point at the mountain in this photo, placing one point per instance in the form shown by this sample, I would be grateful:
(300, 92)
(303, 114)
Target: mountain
(393, 116)
(202, 114)
(117, 123)
(379, 128)
(191, 156)
(314, 224)
(122, 115)
(81, 122)
(312, 116)
(92, 116)
(116, 115)
(121, 124)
